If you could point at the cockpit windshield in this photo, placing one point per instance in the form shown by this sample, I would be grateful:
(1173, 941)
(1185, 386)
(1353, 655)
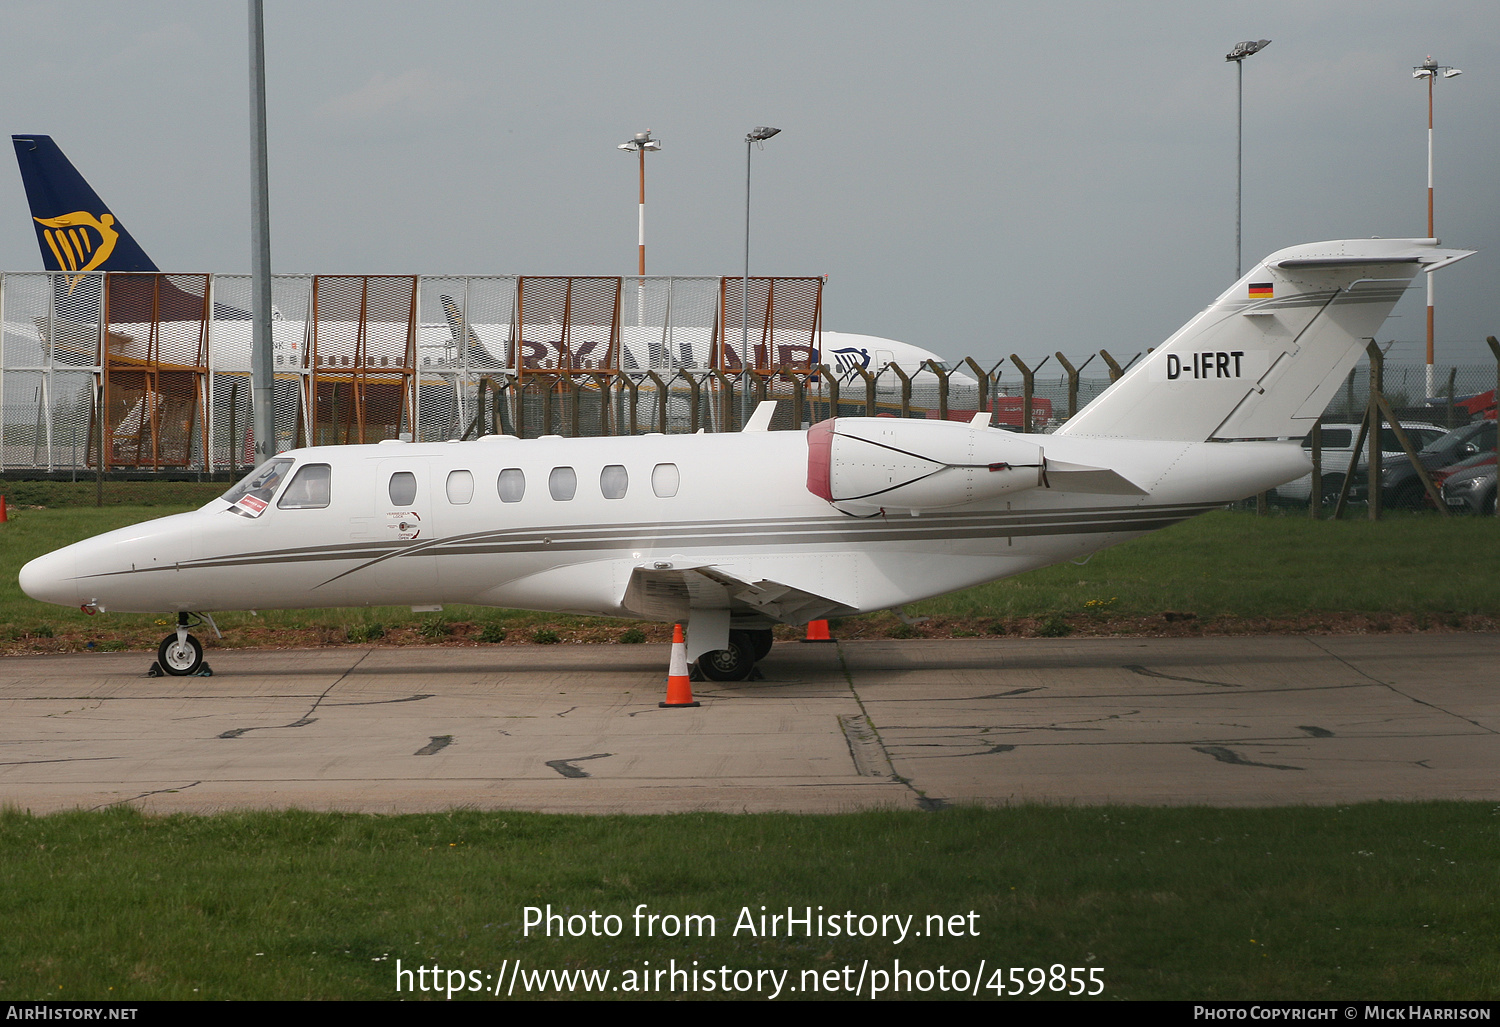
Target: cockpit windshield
(253, 494)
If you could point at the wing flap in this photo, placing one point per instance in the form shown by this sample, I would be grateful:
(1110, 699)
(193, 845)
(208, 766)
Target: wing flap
(672, 593)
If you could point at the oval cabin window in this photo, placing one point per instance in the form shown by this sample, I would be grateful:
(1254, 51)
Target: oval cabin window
(613, 481)
(403, 488)
(563, 483)
(664, 480)
(511, 485)
(460, 487)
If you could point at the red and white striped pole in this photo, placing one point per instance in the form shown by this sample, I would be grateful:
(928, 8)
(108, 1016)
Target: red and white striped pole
(640, 143)
(1429, 69)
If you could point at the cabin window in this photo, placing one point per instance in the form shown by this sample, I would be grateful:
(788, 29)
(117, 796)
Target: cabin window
(613, 481)
(403, 488)
(664, 480)
(511, 485)
(460, 487)
(309, 489)
(563, 483)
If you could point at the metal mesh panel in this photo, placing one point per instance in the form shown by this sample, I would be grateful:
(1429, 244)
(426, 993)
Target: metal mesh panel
(465, 323)
(23, 432)
(229, 363)
(463, 335)
(155, 369)
(668, 323)
(568, 323)
(784, 318)
(361, 357)
(71, 417)
(71, 332)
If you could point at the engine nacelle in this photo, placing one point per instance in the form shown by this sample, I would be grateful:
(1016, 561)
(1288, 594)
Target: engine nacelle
(867, 464)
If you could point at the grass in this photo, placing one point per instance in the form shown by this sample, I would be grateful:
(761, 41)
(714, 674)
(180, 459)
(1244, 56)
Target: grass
(1227, 572)
(1170, 903)
(1237, 564)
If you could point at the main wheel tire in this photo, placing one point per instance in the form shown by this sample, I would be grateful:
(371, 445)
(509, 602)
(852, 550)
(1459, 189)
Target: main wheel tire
(732, 664)
(179, 659)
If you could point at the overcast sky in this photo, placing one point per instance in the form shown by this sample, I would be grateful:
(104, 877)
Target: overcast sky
(975, 178)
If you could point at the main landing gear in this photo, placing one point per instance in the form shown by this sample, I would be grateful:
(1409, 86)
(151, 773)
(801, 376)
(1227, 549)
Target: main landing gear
(180, 654)
(736, 663)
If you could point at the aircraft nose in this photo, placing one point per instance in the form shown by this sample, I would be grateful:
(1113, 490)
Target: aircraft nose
(51, 579)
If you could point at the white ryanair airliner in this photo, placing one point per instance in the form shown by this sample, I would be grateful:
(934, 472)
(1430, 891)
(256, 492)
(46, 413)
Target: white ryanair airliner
(732, 533)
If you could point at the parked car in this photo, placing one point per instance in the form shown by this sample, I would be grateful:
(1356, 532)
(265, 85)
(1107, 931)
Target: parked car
(1471, 489)
(1399, 484)
(1338, 452)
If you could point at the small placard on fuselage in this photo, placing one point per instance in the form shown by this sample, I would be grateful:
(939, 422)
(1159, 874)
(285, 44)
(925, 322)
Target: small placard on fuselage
(1210, 365)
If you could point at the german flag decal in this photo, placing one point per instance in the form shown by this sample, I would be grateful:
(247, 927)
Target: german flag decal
(1260, 290)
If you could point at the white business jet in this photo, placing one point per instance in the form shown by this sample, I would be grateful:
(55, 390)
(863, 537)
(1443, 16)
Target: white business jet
(733, 533)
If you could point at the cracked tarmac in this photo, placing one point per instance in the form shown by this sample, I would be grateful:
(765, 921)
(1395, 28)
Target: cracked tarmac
(912, 724)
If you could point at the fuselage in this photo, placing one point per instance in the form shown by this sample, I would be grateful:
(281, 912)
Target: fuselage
(562, 524)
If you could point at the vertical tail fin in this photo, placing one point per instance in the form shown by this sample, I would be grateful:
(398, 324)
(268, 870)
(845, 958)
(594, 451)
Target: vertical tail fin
(1265, 359)
(74, 229)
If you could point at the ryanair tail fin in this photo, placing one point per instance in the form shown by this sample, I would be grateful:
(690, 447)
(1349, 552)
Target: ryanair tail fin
(74, 229)
(1265, 359)
(464, 336)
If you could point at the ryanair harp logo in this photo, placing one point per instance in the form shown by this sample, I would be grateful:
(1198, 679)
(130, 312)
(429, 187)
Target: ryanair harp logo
(80, 241)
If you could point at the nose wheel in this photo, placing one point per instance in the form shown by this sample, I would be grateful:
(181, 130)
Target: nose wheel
(180, 657)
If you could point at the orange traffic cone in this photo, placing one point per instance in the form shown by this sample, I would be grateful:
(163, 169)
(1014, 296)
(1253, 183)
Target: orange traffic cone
(679, 689)
(817, 631)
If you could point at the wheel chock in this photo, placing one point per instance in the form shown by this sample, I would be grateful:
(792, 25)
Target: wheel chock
(155, 671)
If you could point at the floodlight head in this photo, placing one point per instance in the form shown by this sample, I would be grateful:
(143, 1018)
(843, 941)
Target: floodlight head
(641, 141)
(1246, 48)
(1450, 72)
(760, 133)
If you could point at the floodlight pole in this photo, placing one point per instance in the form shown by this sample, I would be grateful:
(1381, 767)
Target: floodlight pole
(1238, 55)
(640, 143)
(1429, 70)
(262, 373)
(758, 134)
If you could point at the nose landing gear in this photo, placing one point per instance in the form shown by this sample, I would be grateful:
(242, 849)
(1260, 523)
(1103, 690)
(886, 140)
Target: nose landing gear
(180, 654)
